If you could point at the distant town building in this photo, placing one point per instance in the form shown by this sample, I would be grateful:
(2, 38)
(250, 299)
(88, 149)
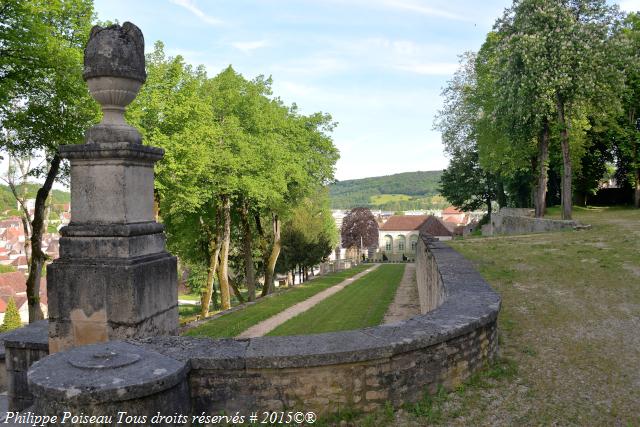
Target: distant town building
(398, 236)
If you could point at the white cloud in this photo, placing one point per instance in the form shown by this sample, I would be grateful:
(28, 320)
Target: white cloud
(430, 69)
(630, 5)
(193, 8)
(414, 6)
(247, 47)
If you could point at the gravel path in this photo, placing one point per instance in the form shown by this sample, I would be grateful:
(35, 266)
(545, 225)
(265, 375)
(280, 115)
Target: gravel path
(273, 322)
(406, 303)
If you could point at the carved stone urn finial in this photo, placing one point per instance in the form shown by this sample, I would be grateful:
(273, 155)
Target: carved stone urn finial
(114, 71)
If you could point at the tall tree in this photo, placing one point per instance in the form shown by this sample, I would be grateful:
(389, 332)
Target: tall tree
(558, 54)
(43, 100)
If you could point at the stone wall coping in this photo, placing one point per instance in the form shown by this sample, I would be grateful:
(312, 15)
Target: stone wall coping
(33, 336)
(469, 304)
(105, 372)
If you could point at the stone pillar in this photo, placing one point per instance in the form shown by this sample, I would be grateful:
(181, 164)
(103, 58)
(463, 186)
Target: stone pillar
(114, 279)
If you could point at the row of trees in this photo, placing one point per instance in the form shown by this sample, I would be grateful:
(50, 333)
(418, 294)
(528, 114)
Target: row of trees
(238, 164)
(242, 175)
(545, 107)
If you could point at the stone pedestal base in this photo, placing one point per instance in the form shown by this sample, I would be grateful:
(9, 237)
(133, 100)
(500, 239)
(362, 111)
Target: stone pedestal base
(94, 300)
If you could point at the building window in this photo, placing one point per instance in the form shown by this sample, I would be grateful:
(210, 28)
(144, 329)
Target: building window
(401, 244)
(414, 244)
(388, 243)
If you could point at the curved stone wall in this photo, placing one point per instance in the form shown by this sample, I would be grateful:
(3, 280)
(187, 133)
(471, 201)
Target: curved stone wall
(359, 369)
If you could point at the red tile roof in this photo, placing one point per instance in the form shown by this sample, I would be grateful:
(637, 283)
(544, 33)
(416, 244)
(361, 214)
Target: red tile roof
(435, 227)
(6, 291)
(21, 260)
(451, 210)
(20, 301)
(15, 280)
(404, 222)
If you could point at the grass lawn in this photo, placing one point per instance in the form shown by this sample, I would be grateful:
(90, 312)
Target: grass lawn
(361, 304)
(569, 331)
(232, 324)
(189, 297)
(380, 199)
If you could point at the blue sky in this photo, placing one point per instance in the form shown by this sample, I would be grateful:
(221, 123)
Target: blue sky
(377, 66)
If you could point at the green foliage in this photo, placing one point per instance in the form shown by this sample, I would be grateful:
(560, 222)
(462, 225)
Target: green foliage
(225, 137)
(466, 185)
(7, 269)
(309, 235)
(403, 191)
(232, 324)
(11, 317)
(361, 304)
(43, 99)
(8, 201)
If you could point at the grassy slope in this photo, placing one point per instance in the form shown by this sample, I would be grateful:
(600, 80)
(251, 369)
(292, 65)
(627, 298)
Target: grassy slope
(361, 304)
(236, 322)
(568, 327)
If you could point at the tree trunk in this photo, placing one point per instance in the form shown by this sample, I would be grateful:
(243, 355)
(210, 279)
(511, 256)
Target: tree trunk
(205, 299)
(273, 257)
(223, 269)
(543, 164)
(249, 272)
(566, 193)
(489, 208)
(636, 198)
(236, 290)
(38, 258)
(25, 217)
(636, 184)
(290, 279)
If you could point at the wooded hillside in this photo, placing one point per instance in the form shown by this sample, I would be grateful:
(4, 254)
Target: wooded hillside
(402, 191)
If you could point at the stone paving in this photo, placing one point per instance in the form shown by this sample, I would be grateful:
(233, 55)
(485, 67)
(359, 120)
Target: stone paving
(273, 322)
(406, 304)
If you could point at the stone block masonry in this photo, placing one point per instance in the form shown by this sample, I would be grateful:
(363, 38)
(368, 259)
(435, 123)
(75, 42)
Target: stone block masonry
(519, 221)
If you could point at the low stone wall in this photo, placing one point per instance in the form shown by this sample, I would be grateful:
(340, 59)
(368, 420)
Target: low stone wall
(428, 279)
(23, 347)
(359, 369)
(515, 224)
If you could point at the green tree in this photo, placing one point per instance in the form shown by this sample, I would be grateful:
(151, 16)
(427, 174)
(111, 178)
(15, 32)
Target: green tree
(43, 101)
(625, 136)
(466, 185)
(309, 235)
(554, 63)
(11, 317)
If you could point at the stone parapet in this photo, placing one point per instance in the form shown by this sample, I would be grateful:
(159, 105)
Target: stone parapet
(23, 347)
(360, 369)
(519, 221)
